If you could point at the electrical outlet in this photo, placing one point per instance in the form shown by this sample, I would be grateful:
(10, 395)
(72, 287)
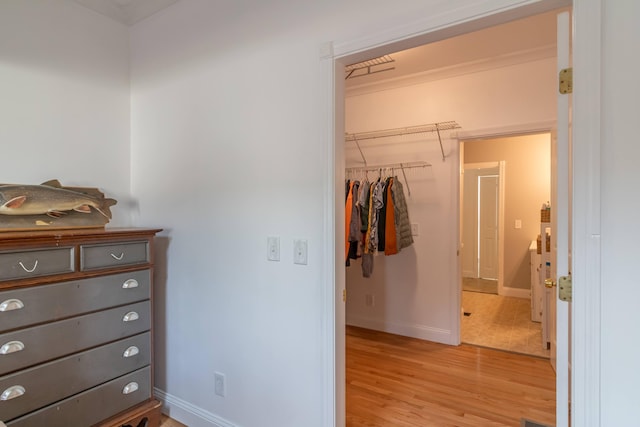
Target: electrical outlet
(273, 248)
(415, 229)
(370, 300)
(219, 384)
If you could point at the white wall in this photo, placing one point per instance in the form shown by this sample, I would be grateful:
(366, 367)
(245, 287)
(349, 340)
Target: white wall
(229, 134)
(413, 289)
(620, 375)
(64, 108)
(228, 97)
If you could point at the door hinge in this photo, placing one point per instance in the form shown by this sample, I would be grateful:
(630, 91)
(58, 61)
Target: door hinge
(565, 289)
(344, 295)
(565, 81)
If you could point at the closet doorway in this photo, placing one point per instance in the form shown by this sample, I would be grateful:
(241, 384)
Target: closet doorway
(504, 319)
(424, 302)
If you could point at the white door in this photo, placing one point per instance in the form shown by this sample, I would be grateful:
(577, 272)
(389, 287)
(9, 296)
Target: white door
(480, 259)
(560, 232)
(488, 226)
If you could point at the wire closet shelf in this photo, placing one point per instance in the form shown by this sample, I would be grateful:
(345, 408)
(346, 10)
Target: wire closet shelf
(388, 133)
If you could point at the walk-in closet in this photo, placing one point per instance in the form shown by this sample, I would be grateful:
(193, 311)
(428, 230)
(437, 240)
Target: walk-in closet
(419, 116)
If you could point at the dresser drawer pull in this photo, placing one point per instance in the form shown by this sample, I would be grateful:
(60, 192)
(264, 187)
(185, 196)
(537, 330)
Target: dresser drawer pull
(11, 347)
(130, 284)
(11, 304)
(130, 316)
(118, 257)
(29, 270)
(12, 392)
(130, 388)
(131, 351)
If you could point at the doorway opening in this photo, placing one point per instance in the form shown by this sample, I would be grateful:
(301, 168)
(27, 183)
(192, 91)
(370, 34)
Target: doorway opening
(511, 318)
(381, 306)
(482, 188)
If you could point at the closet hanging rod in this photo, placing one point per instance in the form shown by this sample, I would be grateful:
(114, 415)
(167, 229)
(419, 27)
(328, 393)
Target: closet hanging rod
(401, 166)
(411, 130)
(372, 168)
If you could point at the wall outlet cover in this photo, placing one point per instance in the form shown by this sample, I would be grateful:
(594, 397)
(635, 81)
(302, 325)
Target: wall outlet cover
(300, 251)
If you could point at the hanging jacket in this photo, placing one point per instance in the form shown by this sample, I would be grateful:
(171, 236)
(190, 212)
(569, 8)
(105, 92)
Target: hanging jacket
(391, 241)
(382, 218)
(363, 201)
(354, 224)
(374, 214)
(403, 224)
(347, 219)
(355, 235)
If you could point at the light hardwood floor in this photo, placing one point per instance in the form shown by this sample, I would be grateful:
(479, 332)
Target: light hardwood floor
(168, 422)
(405, 382)
(395, 381)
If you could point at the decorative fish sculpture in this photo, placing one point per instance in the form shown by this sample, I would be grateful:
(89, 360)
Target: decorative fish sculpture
(49, 199)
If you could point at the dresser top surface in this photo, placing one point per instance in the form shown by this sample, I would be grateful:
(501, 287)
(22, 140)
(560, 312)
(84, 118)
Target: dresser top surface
(74, 234)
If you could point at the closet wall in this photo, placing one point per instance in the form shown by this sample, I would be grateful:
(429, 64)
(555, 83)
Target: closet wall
(414, 291)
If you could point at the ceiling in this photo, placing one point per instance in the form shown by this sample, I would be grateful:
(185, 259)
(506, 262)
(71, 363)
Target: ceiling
(515, 42)
(519, 41)
(127, 12)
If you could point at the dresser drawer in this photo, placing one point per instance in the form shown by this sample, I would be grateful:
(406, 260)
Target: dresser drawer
(44, 384)
(94, 405)
(38, 304)
(35, 263)
(46, 342)
(94, 257)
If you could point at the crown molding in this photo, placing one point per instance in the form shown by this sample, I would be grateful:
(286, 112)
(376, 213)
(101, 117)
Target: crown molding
(127, 12)
(485, 64)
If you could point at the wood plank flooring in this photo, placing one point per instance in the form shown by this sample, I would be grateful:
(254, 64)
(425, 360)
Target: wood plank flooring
(395, 381)
(405, 382)
(168, 422)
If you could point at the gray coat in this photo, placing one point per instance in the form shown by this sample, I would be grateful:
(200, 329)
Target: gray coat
(401, 212)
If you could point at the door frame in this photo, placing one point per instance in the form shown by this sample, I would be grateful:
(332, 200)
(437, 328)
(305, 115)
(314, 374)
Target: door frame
(587, 118)
(501, 193)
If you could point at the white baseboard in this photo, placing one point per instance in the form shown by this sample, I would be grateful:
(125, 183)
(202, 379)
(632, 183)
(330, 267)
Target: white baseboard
(515, 292)
(423, 332)
(188, 414)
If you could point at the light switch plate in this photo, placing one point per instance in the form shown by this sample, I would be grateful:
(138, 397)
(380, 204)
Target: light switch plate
(300, 252)
(273, 248)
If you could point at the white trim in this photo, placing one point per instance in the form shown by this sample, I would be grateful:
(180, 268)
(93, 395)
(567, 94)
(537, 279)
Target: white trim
(333, 346)
(433, 26)
(502, 188)
(561, 229)
(186, 413)
(516, 292)
(413, 330)
(335, 234)
(471, 67)
(506, 131)
(588, 42)
(586, 310)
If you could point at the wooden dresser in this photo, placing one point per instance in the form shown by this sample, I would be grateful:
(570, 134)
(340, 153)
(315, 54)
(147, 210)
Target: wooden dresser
(76, 328)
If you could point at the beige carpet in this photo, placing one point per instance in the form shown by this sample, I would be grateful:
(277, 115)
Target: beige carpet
(501, 322)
